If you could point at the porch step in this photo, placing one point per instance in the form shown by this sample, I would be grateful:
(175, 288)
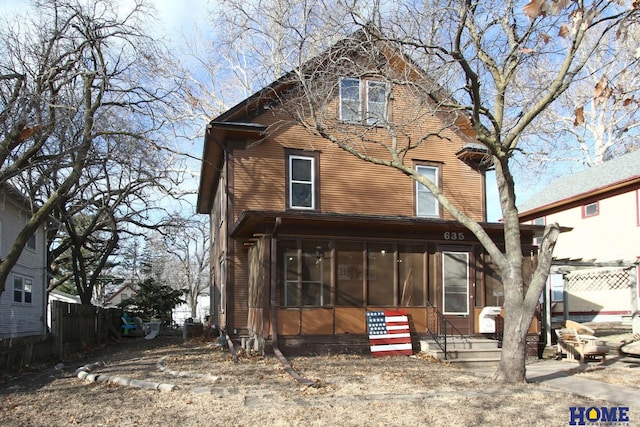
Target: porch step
(467, 353)
(457, 343)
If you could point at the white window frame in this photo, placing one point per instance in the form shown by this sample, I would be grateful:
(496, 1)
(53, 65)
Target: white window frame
(365, 108)
(22, 289)
(311, 182)
(422, 191)
(357, 116)
(446, 289)
(374, 118)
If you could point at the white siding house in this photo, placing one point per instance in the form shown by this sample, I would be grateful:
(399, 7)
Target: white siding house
(23, 302)
(595, 264)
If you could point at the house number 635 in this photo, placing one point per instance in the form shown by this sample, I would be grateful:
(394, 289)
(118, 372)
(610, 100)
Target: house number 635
(451, 235)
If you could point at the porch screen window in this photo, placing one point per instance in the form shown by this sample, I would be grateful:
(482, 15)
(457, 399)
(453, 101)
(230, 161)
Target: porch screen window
(307, 274)
(380, 274)
(455, 279)
(349, 274)
(410, 275)
(22, 289)
(426, 203)
(370, 110)
(301, 182)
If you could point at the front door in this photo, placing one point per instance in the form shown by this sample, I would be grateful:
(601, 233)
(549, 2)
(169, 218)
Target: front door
(456, 296)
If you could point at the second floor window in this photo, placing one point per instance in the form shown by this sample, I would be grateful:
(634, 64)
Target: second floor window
(302, 185)
(370, 110)
(426, 202)
(31, 243)
(22, 289)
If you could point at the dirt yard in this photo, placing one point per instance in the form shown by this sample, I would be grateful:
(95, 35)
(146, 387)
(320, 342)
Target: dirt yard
(212, 390)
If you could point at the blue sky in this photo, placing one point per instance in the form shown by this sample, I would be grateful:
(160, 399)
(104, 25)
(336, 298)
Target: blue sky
(180, 16)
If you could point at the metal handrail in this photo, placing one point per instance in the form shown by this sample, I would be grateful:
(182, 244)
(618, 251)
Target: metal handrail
(441, 333)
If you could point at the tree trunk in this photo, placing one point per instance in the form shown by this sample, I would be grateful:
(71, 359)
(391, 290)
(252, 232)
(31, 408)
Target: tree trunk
(512, 362)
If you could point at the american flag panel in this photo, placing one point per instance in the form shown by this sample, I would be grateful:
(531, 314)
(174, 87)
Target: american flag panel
(389, 333)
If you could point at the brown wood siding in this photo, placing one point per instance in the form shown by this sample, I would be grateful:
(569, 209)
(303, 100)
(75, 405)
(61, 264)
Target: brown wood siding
(350, 321)
(239, 287)
(218, 250)
(347, 184)
(317, 321)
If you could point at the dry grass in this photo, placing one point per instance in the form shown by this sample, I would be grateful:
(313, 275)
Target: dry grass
(353, 390)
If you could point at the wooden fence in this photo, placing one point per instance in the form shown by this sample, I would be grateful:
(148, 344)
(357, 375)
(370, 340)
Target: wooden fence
(77, 327)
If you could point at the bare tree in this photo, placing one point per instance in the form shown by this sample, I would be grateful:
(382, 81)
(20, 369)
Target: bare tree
(598, 117)
(476, 65)
(116, 196)
(186, 245)
(74, 75)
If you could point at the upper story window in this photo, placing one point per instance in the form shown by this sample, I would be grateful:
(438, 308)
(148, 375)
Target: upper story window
(302, 181)
(592, 209)
(426, 202)
(363, 101)
(31, 243)
(22, 289)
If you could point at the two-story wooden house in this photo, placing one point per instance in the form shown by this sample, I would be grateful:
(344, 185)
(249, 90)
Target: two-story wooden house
(24, 300)
(595, 274)
(306, 237)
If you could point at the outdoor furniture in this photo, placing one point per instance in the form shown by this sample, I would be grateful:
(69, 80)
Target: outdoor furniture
(152, 329)
(576, 347)
(128, 324)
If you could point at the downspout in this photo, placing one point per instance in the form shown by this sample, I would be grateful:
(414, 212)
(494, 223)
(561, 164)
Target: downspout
(274, 313)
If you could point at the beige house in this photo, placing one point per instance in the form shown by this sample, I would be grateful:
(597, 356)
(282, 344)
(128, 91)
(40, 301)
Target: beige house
(122, 293)
(595, 274)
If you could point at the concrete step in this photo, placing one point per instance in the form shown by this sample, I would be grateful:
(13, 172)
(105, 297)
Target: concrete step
(467, 354)
(427, 345)
(470, 352)
(475, 363)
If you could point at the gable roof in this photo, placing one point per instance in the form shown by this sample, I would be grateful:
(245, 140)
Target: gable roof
(237, 120)
(607, 179)
(120, 290)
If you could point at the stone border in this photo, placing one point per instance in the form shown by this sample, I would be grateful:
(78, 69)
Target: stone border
(85, 373)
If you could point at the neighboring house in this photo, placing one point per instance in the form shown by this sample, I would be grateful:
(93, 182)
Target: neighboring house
(595, 264)
(56, 295)
(23, 302)
(124, 292)
(183, 311)
(306, 238)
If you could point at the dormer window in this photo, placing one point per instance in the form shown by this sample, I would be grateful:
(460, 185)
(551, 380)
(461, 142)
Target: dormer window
(363, 101)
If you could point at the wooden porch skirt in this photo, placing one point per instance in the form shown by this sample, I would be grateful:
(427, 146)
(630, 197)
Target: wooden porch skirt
(341, 320)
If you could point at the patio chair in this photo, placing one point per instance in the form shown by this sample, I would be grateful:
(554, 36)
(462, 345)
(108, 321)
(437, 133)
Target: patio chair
(128, 324)
(576, 347)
